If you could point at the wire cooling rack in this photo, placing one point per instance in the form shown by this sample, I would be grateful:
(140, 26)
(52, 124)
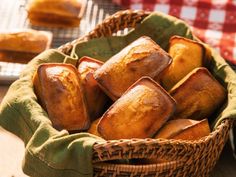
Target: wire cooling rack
(13, 15)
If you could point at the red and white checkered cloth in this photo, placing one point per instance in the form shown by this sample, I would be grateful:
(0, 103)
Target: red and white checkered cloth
(213, 21)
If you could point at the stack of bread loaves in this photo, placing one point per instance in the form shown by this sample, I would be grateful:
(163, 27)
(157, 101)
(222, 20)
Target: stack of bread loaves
(155, 94)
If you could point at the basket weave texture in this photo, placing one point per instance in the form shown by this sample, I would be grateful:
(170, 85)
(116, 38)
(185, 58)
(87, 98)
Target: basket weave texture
(186, 158)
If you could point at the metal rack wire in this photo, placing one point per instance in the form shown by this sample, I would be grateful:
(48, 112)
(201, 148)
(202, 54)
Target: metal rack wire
(13, 15)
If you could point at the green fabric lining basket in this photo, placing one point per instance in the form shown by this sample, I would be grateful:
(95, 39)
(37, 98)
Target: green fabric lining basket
(57, 153)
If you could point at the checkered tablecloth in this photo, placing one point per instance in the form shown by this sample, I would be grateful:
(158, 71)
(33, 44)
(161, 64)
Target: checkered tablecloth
(213, 21)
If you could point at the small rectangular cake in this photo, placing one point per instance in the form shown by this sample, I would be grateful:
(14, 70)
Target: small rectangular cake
(143, 57)
(181, 129)
(96, 99)
(185, 129)
(139, 113)
(58, 89)
(195, 131)
(54, 13)
(23, 45)
(187, 55)
(198, 95)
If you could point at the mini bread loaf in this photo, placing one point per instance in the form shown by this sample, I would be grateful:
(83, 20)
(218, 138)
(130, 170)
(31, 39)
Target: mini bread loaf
(185, 129)
(93, 128)
(181, 129)
(58, 89)
(139, 113)
(96, 99)
(56, 13)
(23, 45)
(197, 95)
(187, 55)
(142, 57)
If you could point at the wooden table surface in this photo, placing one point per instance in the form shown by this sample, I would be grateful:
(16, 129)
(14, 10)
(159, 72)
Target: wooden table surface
(12, 153)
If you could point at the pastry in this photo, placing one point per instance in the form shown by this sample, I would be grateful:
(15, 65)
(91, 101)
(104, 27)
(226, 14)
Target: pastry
(198, 95)
(181, 129)
(23, 45)
(56, 13)
(96, 99)
(142, 57)
(138, 113)
(58, 89)
(187, 55)
(185, 129)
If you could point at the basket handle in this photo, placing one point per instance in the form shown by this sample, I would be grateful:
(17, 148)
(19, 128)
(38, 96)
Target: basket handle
(118, 21)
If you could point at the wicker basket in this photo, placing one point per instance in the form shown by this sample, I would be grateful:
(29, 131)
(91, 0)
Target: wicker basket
(186, 158)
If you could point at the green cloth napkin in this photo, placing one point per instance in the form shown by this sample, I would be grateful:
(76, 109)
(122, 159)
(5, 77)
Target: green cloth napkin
(57, 153)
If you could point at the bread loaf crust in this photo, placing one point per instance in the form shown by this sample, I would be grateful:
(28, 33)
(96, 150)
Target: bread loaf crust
(139, 113)
(59, 90)
(96, 99)
(29, 41)
(184, 129)
(54, 13)
(142, 57)
(187, 55)
(198, 95)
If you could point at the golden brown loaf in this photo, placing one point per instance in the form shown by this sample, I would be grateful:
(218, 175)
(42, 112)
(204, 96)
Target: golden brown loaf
(56, 13)
(172, 127)
(58, 88)
(185, 129)
(22, 46)
(142, 57)
(195, 131)
(197, 95)
(139, 113)
(187, 55)
(181, 129)
(95, 97)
